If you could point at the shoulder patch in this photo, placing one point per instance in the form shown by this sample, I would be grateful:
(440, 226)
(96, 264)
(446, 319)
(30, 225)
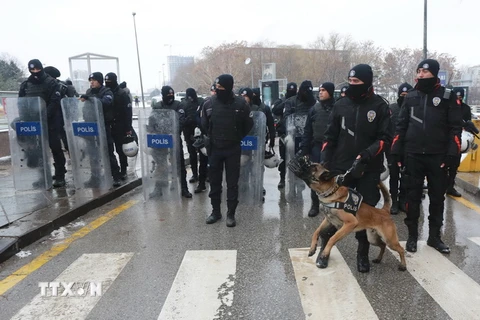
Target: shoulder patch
(251, 114)
(181, 111)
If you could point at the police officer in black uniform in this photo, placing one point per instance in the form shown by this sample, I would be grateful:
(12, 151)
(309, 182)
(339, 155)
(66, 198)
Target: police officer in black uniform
(40, 84)
(122, 120)
(466, 116)
(190, 106)
(277, 110)
(168, 102)
(342, 92)
(313, 135)
(428, 135)
(227, 119)
(356, 137)
(105, 95)
(398, 198)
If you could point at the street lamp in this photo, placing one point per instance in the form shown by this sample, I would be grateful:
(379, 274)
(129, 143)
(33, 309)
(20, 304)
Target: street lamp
(247, 62)
(425, 29)
(138, 57)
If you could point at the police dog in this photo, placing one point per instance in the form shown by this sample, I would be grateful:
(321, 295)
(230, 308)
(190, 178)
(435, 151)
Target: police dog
(381, 229)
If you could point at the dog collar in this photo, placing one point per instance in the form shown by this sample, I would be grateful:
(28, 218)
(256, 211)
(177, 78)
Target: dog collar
(329, 192)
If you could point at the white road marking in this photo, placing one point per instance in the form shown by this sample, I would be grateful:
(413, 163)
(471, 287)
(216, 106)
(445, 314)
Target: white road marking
(330, 293)
(475, 239)
(449, 286)
(97, 267)
(203, 286)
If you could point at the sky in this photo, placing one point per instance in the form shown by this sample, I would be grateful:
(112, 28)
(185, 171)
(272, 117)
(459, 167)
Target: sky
(53, 30)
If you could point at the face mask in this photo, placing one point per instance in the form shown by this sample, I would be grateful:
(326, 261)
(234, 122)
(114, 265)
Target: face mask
(223, 95)
(400, 100)
(110, 84)
(426, 85)
(35, 76)
(167, 99)
(358, 91)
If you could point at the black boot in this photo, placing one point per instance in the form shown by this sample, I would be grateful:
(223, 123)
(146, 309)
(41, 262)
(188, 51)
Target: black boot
(216, 214)
(186, 193)
(394, 209)
(281, 184)
(363, 264)
(411, 245)
(232, 206)
(314, 209)
(453, 192)
(193, 179)
(201, 187)
(436, 242)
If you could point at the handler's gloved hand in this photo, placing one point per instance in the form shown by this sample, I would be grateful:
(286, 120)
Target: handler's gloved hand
(344, 179)
(364, 156)
(84, 97)
(357, 169)
(448, 162)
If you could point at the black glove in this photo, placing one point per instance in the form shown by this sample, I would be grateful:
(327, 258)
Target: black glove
(365, 156)
(84, 96)
(357, 169)
(397, 158)
(449, 161)
(128, 139)
(470, 127)
(344, 179)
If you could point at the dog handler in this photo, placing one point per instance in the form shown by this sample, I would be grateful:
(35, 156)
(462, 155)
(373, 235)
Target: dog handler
(358, 133)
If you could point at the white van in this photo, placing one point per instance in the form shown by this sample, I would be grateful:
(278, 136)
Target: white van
(180, 96)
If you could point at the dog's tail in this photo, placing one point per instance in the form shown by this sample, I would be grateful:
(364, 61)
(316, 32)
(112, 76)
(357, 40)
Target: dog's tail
(387, 200)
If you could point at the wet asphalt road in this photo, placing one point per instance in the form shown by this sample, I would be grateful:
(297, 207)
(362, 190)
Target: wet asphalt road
(169, 267)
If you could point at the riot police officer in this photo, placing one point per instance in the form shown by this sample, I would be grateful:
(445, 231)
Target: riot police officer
(227, 119)
(40, 84)
(258, 105)
(397, 193)
(105, 95)
(356, 137)
(190, 106)
(312, 139)
(277, 110)
(466, 116)
(428, 134)
(168, 102)
(122, 119)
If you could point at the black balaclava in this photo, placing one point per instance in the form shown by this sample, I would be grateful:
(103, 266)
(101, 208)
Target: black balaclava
(226, 81)
(168, 95)
(52, 72)
(427, 85)
(291, 90)
(404, 87)
(35, 76)
(305, 93)
(459, 94)
(111, 80)
(360, 92)
(191, 95)
(256, 96)
(249, 93)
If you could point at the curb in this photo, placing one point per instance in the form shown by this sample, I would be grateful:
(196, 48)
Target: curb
(467, 186)
(36, 233)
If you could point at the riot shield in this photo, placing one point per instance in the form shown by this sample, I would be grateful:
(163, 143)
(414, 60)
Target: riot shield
(160, 151)
(87, 141)
(250, 183)
(295, 125)
(29, 149)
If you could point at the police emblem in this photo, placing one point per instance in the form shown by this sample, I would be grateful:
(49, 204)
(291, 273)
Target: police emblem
(32, 66)
(425, 66)
(251, 114)
(106, 77)
(404, 89)
(352, 73)
(355, 198)
(436, 101)
(371, 115)
(170, 91)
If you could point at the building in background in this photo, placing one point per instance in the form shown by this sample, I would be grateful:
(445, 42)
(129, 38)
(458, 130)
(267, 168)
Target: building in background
(174, 64)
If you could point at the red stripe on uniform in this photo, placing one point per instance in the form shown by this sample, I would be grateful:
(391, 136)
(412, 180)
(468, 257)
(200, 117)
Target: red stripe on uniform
(324, 145)
(459, 144)
(395, 140)
(380, 148)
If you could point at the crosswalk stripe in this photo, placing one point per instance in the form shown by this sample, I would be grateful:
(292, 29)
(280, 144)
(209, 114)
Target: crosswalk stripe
(98, 268)
(475, 239)
(331, 293)
(449, 286)
(203, 286)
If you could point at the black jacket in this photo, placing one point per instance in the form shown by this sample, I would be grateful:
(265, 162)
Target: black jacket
(316, 125)
(46, 88)
(268, 114)
(122, 110)
(105, 95)
(355, 128)
(428, 124)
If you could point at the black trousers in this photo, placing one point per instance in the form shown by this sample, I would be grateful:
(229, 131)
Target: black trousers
(417, 167)
(110, 144)
(118, 136)
(202, 168)
(281, 167)
(218, 158)
(192, 151)
(397, 190)
(55, 143)
(452, 172)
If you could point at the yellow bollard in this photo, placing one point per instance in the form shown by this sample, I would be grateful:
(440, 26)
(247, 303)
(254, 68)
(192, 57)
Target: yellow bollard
(471, 163)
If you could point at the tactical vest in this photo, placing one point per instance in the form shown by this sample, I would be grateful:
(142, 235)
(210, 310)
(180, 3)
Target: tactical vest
(226, 119)
(190, 112)
(41, 90)
(320, 121)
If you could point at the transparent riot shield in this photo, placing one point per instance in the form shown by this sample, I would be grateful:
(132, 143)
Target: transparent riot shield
(160, 151)
(29, 149)
(87, 141)
(295, 125)
(250, 183)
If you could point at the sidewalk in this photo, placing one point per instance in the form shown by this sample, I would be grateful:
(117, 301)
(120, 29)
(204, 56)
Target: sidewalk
(28, 216)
